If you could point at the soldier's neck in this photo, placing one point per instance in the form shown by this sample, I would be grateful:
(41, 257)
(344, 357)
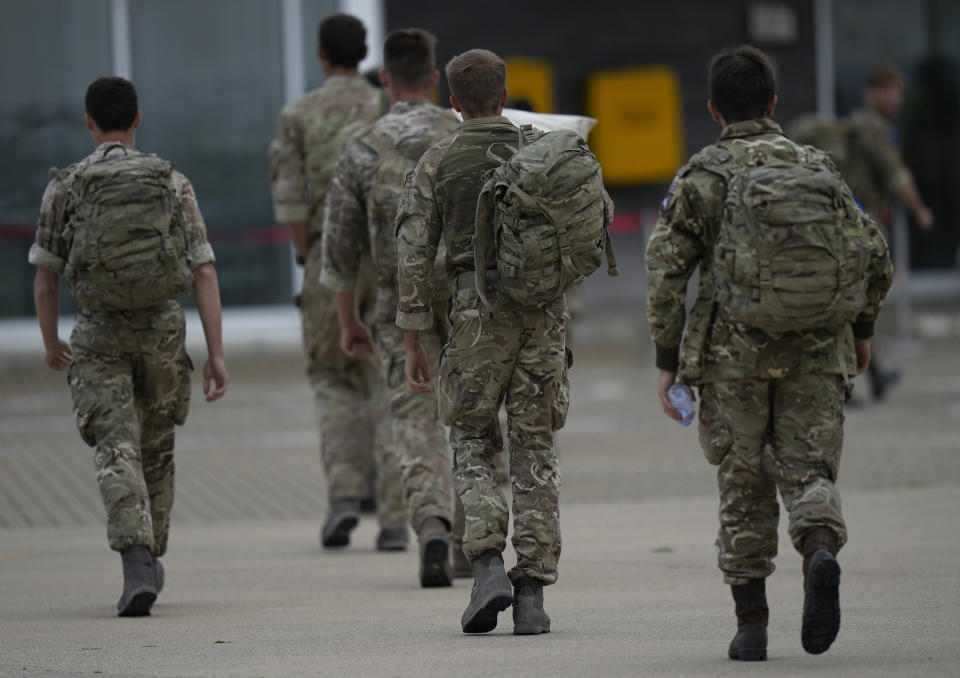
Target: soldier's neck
(331, 71)
(125, 138)
(396, 97)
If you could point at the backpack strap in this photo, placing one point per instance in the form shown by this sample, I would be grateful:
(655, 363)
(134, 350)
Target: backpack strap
(482, 231)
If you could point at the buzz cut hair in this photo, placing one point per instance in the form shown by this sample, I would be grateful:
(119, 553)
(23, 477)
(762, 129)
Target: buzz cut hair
(344, 39)
(477, 78)
(882, 75)
(112, 103)
(408, 58)
(741, 83)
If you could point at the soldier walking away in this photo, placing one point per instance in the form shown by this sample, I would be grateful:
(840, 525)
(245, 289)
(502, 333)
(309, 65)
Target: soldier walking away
(348, 392)
(778, 330)
(361, 214)
(125, 231)
(510, 353)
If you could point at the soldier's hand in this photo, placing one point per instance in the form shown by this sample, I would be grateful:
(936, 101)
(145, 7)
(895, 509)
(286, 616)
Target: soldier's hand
(416, 369)
(924, 219)
(355, 341)
(215, 370)
(862, 347)
(665, 382)
(58, 356)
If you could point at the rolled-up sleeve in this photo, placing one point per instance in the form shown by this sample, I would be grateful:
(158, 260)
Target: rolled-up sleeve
(199, 250)
(419, 230)
(49, 251)
(344, 222)
(288, 177)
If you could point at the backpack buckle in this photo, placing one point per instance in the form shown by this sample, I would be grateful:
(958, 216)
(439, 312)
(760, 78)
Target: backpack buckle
(766, 277)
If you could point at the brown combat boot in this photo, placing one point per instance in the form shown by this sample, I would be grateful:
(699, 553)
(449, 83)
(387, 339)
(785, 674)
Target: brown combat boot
(491, 594)
(750, 643)
(342, 517)
(821, 590)
(528, 615)
(139, 583)
(435, 568)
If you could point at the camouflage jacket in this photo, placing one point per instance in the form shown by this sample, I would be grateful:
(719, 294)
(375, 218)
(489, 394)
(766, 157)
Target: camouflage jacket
(439, 203)
(360, 215)
(872, 167)
(50, 250)
(712, 348)
(310, 134)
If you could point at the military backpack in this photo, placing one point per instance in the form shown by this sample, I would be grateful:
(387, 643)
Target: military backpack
(547, 214)
(128, 248)
(791, 254)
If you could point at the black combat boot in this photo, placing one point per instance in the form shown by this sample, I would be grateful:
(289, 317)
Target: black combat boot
(491, 594)
(528, 615)
(343, 516)
(435, 567)
(139, 586)
(750, 643)
(392, 539)
(821, 590)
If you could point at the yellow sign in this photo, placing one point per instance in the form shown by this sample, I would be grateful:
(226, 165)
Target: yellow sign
(639, 134)
(530, 82)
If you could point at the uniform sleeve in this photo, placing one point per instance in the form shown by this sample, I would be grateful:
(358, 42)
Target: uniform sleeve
(673, 253)
(419, 230)
(884, 159)
(49, 250)
(345, 221)
(879, 277)
(288, 177)
(198, 248)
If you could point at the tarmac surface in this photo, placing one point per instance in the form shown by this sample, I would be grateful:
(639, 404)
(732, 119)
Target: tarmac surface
(250, 593)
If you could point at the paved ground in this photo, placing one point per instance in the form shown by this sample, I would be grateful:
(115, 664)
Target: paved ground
(249, 593)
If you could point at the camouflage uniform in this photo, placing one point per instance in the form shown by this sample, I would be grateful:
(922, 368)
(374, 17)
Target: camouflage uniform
(513, 355)
(130, 378)
(360, 216)
(348, 394)
(771, 410)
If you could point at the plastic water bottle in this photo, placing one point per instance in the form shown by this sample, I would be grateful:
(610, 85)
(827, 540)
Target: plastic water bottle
(681, 397)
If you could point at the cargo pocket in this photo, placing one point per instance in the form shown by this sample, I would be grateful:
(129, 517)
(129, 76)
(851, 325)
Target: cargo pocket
(561, 399)
(716, 438)
(464, 390)
(85, 404)
(165, 389)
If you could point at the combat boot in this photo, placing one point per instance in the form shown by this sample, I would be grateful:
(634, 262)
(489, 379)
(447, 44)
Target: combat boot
(750, 643)
(343, 516)
(139, 587)
(528, 615)
(158, 575)
(461, 566)
(491, 594)
(392, 539)
(435, 568)
(821, 590)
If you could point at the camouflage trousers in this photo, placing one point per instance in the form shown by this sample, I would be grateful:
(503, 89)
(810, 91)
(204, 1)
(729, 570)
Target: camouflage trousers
(765, 435)
(130, 383)
(515, 357)
(350, 402)
(418, 435)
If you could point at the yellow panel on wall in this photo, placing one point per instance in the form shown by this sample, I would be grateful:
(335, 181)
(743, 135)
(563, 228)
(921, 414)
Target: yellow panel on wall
(530, 81)
(639, 133)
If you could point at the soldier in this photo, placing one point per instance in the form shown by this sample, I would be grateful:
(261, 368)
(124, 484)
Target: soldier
(128, 369)
(514, 355)
(771, 393)
(348, 392)
(876, 173)
(360, 215)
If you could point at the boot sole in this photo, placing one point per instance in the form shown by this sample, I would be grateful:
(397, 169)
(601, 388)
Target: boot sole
(749, 655)
(485, 618)
(530, 630)
(821, 605)
(435, 564)
(338, 534)
(139, 604)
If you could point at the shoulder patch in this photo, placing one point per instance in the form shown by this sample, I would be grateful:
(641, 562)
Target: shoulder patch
(668, 197)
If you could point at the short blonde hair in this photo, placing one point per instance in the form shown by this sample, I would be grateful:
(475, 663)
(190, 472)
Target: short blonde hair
(477, 78)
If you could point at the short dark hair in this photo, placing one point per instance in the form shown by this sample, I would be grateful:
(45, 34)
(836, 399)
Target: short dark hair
(883, 75)
(112, 103)
(477, 78)
(741, 83)
(408, 57)
(343, 38)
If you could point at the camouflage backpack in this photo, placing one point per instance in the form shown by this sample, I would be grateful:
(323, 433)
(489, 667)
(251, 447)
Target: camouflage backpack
(790, 254)
(128, 249)
(396, 162)
(547, 213)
